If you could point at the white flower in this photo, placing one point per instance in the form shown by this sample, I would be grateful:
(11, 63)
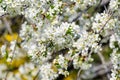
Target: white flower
(112, 40)
(12, 45)
(62, 62)
(76, 62)
(3, 67)
(2, 12)
(46, 73)
(3, 50)
(61, 71)
(115, 58)
(113, 4)
(26, 68)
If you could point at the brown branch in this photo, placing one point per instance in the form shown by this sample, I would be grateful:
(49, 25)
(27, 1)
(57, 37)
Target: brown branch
(103, 62)
(104, 2)
(105, 23)
(35, 78)
(7, 25)
(80, 14)
(97, 71)
(85, 10)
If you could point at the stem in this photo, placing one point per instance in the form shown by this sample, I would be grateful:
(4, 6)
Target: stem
(103, 62)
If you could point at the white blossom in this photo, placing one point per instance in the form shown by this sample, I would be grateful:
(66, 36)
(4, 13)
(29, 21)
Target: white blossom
(3, 50)
(53, 41)
(46, 73)
(113, 4)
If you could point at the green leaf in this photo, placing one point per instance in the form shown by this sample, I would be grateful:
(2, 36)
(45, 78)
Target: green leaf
(1, 1)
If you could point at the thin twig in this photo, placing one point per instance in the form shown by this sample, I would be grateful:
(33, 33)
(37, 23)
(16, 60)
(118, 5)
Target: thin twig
(78, 74)
(7, 25)
(103, 62)
(6, 75)
(80, 13)
(96, 71)
(105, 24)
(104, 2)
(13, 52)
(36, 75)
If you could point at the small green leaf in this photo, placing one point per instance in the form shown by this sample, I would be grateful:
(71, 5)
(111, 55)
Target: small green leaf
(1, 1)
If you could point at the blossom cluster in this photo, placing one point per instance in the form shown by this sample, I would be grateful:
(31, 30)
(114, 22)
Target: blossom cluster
(50, 43)
(115, 58)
